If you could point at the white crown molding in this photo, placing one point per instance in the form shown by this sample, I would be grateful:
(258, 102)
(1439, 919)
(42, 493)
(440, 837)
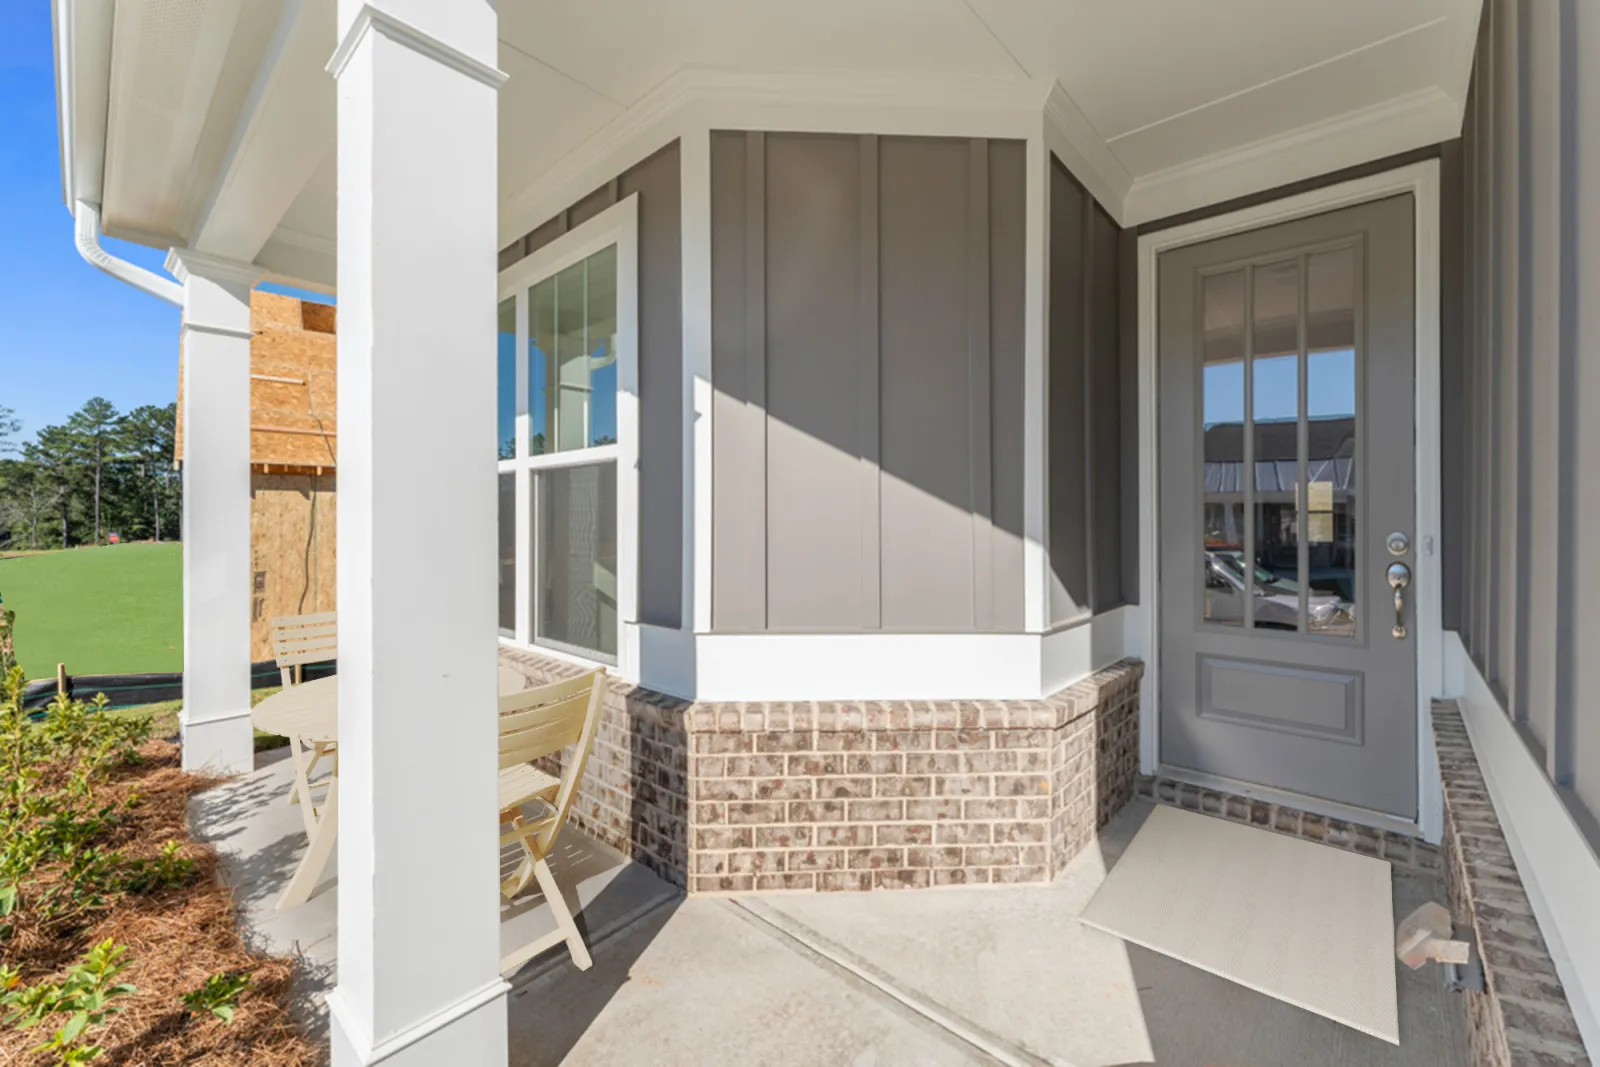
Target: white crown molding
(1463, 45)
(1073, 138)
(371, 19)
(720, 99)
(1412, 121)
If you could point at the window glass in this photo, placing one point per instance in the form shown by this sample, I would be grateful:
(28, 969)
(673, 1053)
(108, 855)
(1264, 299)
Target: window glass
(576, 579)
(508, 554)
(1275, 426)
(1331, 463)
(1222, 429)
(572, 357)
(506, 398)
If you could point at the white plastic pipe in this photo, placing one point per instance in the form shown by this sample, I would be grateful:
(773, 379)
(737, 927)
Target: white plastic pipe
(87, 216)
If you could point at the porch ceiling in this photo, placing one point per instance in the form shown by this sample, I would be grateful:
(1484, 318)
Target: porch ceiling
(222, 107)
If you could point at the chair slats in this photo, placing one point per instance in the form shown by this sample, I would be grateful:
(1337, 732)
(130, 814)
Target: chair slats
(573, 707)
(301, 639)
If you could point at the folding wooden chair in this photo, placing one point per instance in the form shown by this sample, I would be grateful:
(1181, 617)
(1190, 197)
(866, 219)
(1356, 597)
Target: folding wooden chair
(535, 723)
(298, 640)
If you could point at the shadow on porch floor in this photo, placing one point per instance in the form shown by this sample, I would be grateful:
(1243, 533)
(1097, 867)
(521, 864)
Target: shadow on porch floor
(959, 976)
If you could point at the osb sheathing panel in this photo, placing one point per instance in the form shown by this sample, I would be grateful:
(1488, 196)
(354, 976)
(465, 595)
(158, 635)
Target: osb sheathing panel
(292, 524)
(293, 421)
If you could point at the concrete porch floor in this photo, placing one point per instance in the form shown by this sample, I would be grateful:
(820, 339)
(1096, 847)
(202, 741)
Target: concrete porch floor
(952, 976)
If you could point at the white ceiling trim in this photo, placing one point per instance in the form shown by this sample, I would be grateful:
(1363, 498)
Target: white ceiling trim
(1071, 136)
(714, 99)
(1400, 125)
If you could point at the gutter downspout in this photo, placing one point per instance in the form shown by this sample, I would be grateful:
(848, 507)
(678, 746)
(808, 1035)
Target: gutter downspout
(87, 217)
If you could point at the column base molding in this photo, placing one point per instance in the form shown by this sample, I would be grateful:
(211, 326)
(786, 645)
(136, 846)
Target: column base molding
(223, 744)
(472, 1030)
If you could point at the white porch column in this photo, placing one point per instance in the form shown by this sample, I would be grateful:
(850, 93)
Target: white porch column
(216, 510)
(419, 979)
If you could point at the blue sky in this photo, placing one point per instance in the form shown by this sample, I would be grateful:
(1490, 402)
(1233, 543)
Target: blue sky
(67, 331)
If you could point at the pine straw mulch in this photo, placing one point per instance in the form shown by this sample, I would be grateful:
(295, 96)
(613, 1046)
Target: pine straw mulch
(176, 938)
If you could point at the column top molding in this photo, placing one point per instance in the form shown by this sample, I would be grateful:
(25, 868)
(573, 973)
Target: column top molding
(184, 263)
(371, 19)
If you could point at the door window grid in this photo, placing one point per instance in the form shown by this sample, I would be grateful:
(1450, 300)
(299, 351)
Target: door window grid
(1279, 545)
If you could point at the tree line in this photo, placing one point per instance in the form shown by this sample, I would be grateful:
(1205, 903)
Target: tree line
(101, 472)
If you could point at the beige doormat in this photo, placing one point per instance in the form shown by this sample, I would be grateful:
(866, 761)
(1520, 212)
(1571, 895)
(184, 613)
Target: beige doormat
(1298, 921)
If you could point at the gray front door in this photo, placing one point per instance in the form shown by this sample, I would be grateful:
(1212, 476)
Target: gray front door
(1287, 461)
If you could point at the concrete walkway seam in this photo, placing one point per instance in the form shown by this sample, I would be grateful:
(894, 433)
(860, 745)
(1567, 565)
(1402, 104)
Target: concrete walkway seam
(819, 946)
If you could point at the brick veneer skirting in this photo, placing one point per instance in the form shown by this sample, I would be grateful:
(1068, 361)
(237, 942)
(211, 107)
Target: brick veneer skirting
(1399, 849)
(1522, 1018)
(877, 794)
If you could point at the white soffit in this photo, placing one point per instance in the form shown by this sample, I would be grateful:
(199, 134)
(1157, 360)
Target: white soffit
(167, 69)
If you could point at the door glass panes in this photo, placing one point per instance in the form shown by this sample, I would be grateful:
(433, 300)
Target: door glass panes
(1275, 433)
(575, 579)
(572, 357)
(1222, 427)
(1331, 452)
(508, 554)
(506, 397)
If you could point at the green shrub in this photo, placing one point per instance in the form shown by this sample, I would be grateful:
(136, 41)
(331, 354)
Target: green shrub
(85, 997)
(219, 996)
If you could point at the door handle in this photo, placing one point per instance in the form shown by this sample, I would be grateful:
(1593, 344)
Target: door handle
(1399, 576)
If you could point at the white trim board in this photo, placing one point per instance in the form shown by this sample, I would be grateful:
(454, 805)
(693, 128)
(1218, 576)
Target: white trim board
(1421, 180)
(861, 666)
(1559, 869)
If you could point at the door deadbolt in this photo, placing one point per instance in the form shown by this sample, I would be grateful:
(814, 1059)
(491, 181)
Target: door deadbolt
(1399, 544)
(1399, 576)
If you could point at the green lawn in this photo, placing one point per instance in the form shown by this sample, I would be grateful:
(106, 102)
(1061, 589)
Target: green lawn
(111, 610)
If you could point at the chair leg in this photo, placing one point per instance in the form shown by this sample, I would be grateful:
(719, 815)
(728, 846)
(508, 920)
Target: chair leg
(524, 872)
(563, 917)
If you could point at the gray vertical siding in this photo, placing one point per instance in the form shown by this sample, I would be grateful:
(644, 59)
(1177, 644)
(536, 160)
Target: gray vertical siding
(1092, 393)
(656, 181)
(1528, 494)
(867, 362)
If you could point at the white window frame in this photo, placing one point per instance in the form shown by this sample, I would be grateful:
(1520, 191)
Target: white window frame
(618, 225)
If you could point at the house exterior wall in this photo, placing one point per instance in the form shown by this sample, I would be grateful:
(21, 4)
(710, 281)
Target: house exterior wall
(867, 307)
(1088, 378)
(1529, 481)
(656, 182)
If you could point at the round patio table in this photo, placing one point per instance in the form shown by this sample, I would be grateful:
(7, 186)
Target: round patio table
(308, 715)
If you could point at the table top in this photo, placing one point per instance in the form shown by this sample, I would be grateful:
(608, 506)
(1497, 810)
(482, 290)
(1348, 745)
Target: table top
(310, 711)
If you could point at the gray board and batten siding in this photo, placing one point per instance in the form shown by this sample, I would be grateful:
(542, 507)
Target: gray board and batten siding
(656, 181)
(1525, 475)
(867, 358)
(867, 321)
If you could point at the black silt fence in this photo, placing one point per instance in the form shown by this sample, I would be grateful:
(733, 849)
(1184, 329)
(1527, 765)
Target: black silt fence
(131, 690)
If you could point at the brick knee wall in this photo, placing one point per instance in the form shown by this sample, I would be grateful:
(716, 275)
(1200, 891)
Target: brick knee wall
(1522, 1019)
(879, 794)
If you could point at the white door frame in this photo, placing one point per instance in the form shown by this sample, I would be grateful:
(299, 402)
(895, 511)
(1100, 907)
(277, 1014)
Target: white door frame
(1144, 633)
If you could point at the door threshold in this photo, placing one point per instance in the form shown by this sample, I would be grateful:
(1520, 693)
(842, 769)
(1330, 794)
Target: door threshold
(1330, 809)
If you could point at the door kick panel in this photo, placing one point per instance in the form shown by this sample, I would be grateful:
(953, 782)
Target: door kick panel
(1288, 699)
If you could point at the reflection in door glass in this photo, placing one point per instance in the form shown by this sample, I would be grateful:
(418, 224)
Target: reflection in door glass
(1331, 462)
(1275, 425)
(1223, 583)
